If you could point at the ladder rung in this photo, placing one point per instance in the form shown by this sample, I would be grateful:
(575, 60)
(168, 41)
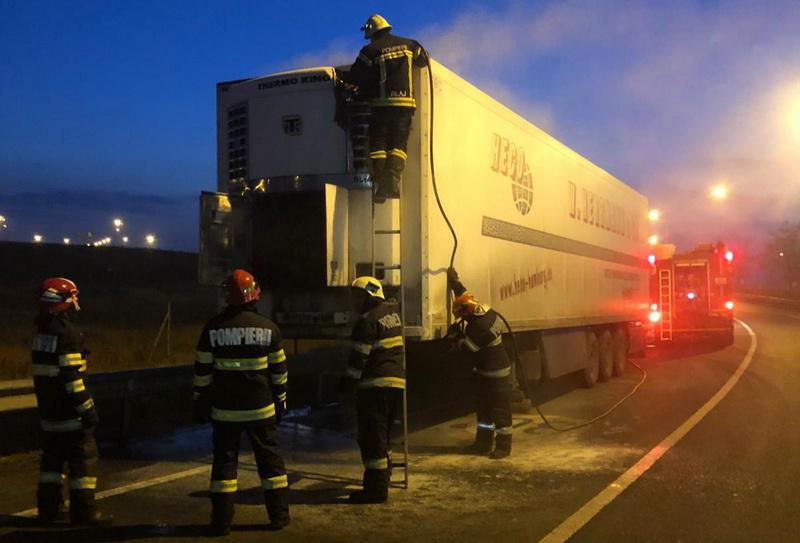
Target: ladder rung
(387, 231)
(391, 267)
(398, 464)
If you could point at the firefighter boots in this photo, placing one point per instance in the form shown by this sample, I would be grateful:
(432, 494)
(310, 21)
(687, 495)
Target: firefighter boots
(502, 447)
(221, 513)
(484, 442)
(376, 487)
(277, 502)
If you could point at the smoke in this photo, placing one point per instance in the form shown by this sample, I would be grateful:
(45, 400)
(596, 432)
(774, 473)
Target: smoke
(671, 97)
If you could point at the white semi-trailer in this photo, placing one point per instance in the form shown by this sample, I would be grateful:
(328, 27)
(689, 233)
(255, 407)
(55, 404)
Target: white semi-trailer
(551, 241)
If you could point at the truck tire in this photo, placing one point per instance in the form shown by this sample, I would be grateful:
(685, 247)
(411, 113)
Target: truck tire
(620, 351)
(591, 371)
(606, 349)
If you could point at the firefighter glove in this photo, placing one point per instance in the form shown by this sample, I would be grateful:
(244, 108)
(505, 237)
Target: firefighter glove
(201, 410)
(89, 419)
(452, 276)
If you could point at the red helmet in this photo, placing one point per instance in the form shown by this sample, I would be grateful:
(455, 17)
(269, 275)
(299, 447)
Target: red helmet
(240, 288)
(58, 294)
(466, 306)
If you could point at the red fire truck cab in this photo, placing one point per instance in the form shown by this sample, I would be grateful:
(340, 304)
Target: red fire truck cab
(691, 294)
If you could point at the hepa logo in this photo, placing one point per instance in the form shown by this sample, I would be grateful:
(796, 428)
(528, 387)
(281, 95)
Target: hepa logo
(509, 160)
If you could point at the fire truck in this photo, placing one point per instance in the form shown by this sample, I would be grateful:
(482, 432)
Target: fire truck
(691, 293)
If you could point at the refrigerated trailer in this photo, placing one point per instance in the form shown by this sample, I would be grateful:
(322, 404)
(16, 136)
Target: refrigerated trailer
(551, 241)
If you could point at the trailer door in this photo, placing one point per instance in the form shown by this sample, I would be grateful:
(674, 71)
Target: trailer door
(225, 236)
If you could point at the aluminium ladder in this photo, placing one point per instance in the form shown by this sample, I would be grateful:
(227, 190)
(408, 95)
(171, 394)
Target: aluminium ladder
(665, 303)
(390, 234)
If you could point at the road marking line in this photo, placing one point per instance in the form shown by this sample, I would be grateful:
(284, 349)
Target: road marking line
(590, 509)
(133, 486)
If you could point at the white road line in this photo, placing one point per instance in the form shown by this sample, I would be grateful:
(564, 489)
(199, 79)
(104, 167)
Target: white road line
(582, 516)
(134, 486)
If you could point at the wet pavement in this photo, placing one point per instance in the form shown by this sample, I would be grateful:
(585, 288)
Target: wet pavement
(452, 497)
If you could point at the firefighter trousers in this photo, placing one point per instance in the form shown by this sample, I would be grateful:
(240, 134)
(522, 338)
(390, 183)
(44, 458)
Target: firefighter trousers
(389, 127)
(494, 408)
(78, 450)
(226, 437)
(378, 409)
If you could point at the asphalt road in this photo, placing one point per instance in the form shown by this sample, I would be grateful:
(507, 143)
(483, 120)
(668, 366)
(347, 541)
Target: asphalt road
(734, 476)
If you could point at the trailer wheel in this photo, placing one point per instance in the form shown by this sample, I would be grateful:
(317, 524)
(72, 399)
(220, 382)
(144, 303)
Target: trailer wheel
(606, 355)
(591, 370)
(620, 351)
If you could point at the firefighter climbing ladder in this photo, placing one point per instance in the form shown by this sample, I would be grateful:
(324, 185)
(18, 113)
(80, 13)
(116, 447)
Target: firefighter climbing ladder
(665, 303)
(390, 234)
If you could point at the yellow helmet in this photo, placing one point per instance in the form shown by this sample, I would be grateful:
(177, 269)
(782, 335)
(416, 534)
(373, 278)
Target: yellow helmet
(374, 24)
(369, 284)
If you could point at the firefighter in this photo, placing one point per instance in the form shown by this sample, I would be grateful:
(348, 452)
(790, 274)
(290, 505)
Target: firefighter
(481, 336)
(66, 409)
(375, 368)
(382, 74)
(240, 385)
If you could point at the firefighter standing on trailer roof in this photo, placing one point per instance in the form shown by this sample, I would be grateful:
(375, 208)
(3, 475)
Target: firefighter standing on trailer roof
(376, 369)
(66, 408)
(240, 385)
(383, 74)
(482, 338)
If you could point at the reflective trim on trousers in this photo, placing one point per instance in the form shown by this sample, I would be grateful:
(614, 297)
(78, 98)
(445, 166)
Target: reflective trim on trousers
(377, 154)
(51, 478)
(224, 486)
(202, 380)
(399, 153)
(83, 483)
(486, 426)
(243, 415)
(71, 359)
(505, 431)
(69, 425)
(383, 382)
(361, 347)
(280, 378)
(503, 372)
(274, 483)
(376, 463)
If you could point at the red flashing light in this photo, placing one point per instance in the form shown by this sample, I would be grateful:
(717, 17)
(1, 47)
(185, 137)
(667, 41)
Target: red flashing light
(654, 316)
(651, 259)
(729, 305)
(729, 256)
(653, 307)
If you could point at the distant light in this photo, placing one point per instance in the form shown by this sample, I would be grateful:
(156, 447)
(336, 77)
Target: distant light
(780, 254)
(729, 256)
(118, 224)
(651, 259)
(150, 239)
(37, 238)
(653, 239)
(66, 241)
(729, 305)
(691, 295)
(3, 222)
(654, 215)
(653, 307)
(719, 191)
(654, 316)
(124, 239)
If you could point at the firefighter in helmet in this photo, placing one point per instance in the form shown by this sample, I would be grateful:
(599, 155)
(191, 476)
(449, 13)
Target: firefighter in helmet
(240, 385)
(480, 334)
(375, 368)
(383, 75)
(66, 409)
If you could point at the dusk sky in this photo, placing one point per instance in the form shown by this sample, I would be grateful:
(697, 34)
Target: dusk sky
(108, 108)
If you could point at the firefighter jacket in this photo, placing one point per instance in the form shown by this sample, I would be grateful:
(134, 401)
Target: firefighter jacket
(240, 366)
(59, 365)
(376, 354)
(383, 71)
(482, 337)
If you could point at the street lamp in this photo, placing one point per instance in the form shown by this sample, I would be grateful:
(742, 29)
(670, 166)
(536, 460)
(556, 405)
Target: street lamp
(3, 222)
(653, 215)
(118, 224)
(150, 239)
(37, 238)
(652, 240)
(125, 239)
(66, 241)
(719, 192)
